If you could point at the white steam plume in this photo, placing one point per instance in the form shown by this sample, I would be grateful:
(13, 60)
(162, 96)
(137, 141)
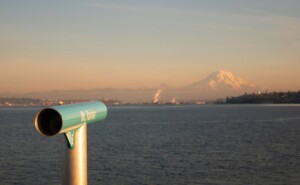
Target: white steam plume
(156, 97)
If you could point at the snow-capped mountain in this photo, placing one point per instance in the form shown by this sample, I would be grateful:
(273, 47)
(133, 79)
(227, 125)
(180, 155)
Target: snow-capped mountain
(218, 84)
(222, 80)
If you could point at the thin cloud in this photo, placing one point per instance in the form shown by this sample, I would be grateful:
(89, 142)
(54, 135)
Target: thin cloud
(244, 20)
(148, 9)
(118, 7)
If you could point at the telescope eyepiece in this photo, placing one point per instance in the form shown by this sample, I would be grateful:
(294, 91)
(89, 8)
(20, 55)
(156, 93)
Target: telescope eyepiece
(48, 122)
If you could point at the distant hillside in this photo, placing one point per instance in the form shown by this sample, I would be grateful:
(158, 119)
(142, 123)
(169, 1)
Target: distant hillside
(19, 101)
(216, 85)
(273, 97)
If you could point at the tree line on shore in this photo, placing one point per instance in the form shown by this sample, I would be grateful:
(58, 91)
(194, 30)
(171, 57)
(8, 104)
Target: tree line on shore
(267, 97)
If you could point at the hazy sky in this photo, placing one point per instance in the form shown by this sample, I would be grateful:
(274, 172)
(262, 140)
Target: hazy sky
(83, 44)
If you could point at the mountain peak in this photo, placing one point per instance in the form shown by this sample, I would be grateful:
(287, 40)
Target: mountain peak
(222, 80)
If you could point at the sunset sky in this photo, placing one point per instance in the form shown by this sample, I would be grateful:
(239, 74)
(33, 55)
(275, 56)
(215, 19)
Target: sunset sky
(85, 44)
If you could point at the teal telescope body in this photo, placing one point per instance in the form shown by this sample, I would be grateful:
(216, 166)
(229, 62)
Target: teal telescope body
(68, 118)
(71, 120)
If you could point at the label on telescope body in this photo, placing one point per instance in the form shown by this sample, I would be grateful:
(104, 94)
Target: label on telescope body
(87, 115)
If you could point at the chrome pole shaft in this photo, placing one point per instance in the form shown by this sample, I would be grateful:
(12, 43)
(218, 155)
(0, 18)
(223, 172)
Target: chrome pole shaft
(75, 160)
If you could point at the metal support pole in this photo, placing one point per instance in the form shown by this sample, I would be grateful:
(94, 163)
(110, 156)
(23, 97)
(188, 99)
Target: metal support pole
(75, 160)
(71, 120)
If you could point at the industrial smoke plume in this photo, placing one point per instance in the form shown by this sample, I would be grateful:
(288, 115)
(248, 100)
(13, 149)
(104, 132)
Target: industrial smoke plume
(156, 97)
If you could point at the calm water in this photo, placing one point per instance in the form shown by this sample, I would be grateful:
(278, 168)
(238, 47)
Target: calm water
(217, 144)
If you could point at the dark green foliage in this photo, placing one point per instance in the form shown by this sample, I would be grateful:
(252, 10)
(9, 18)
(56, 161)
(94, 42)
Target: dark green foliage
(272, 97)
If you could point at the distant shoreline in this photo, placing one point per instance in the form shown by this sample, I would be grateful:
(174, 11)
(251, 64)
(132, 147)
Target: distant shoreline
(270, 98)
(266, 98)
